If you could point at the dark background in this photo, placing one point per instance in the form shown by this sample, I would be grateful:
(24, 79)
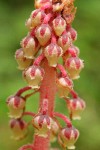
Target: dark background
(13, 14)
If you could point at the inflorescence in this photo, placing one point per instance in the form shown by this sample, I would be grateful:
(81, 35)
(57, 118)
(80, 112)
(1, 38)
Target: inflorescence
(50, 36)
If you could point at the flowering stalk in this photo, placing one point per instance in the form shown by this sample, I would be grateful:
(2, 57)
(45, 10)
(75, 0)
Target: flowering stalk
(50, 38)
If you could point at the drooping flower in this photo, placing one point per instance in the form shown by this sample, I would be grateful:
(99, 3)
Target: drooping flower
(42, 124)
(53, 52)
(65, 41)
(34, 75)
(30, 46)
(22, 61)
(37, 17)
(67, 137)
(43, 34)
(76, 107)
(19, 128)
(74, 65)
(15, 105)
(64, 85)
(59, 25)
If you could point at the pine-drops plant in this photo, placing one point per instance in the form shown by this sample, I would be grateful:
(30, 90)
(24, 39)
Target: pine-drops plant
(50, 62)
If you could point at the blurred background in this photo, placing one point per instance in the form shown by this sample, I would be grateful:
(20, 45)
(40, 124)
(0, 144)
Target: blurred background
(13, 14)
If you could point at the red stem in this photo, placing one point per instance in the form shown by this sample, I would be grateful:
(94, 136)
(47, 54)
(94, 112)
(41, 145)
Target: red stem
(30, 94)
(74, 94)
(23, 90)
(63, 117)
(62, 69)
(29, 113)
(26, 147)
(38, 60)
(47, 90)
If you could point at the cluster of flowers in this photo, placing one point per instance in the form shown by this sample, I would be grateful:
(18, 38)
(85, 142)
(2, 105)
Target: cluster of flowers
(50, 37)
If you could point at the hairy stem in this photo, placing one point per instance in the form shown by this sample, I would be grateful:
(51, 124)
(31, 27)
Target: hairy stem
(47, 90)
(63, 117)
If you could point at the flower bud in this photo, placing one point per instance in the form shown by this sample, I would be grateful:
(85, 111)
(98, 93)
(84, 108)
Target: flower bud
(52, 53)
(64, 85)
(74, 65)
(30, 46)
(54, 131)
(43, 34)
(22, 61)
(34, 75)
(73, 51)
(65, 41)
(43, 124)
(68, 137)
(59, 25)
(40, 3)
(73, 34)
(75, 107)
(37, 17)
(19, 128)
(15, 105)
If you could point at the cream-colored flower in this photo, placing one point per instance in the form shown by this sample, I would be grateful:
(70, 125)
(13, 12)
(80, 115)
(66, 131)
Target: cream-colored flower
(64, 86)
(53, 52)
(30, 46)
(59, 25)
(34, 75)
(76, 107)
(74, 65)
(22, 61)
(67, 137)
(64, 41)
(43, 34)
(15, 105)
(42, 124)
(19, 129)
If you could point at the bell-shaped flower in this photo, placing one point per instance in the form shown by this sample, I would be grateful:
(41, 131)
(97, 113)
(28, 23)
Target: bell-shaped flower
(53, 52)
(74, 65)
(34, 75)
(42, 124)
(64, 41)
(72, 51)
(67, 137)
(76, 107)
(30, 46)
(37, 17)
(22, 61)
(59, 25)
(15, 105)
(19, 128)
(64, 85)
(43, 34)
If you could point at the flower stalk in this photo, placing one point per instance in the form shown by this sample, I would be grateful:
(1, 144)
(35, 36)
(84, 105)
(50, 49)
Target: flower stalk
(50, 39)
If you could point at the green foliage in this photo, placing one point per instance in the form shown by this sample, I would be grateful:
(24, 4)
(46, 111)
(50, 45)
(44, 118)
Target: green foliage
(12, 17)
